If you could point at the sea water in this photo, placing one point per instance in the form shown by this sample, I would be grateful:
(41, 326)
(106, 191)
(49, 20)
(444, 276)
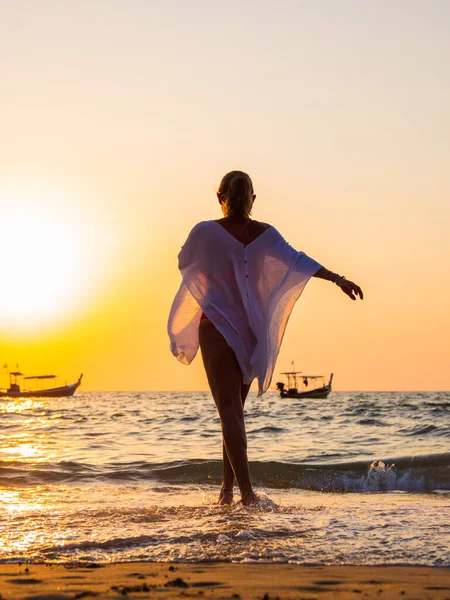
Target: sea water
(359, 478)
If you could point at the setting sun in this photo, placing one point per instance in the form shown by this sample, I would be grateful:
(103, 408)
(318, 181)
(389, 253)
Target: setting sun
(43, 261)
(51, 260)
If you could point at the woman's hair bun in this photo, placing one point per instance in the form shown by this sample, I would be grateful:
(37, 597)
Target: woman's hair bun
(237, 189)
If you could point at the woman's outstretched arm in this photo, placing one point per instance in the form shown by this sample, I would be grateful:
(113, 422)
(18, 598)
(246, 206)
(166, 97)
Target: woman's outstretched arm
(348, 287)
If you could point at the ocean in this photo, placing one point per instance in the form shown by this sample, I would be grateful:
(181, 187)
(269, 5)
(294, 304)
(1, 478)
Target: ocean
(359, 478)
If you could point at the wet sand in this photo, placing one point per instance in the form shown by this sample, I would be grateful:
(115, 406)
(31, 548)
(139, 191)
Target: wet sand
(219, 580)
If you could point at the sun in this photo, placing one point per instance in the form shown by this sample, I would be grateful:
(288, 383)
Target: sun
(47, 261)
(40, 262)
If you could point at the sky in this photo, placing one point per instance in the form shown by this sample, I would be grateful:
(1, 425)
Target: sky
(118, 120)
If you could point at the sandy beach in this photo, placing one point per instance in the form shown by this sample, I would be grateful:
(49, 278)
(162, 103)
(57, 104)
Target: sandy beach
(219, 580)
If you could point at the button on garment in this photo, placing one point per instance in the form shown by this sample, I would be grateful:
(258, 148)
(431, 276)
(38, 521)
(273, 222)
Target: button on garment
(247, 292)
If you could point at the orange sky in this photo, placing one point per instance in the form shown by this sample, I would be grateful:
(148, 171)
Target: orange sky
(118, 121)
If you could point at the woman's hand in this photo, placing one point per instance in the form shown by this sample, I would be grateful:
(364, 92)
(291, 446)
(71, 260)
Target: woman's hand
(348, 287)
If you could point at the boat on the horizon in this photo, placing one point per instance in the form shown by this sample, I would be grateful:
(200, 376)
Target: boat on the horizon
(298, 384)
(15, 391)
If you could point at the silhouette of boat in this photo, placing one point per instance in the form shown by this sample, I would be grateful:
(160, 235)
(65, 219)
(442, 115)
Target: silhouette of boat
(14, 390)
(298, 384)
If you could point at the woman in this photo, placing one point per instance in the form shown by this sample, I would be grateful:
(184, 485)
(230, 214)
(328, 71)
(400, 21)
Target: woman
(241, 280)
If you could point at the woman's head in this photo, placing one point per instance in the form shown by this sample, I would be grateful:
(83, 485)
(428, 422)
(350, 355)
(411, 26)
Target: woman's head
(236, 194)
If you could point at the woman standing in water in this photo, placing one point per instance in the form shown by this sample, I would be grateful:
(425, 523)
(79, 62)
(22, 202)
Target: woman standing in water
(241, 280)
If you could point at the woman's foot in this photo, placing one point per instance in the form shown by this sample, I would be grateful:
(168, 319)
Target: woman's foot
(225, 496)
(249, 498)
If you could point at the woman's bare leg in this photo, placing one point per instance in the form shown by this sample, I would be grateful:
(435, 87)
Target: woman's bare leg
(226, 493)
(225, 380)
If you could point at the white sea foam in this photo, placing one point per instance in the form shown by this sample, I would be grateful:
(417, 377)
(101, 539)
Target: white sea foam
(101, 524)
(244, 535)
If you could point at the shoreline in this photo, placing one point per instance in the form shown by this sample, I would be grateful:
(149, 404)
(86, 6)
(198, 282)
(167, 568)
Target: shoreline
(48, 581)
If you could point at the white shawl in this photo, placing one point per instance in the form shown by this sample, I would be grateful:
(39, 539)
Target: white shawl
(248, 292)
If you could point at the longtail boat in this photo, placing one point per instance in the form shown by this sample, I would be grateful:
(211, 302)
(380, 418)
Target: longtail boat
(15, 391)
(304, 386)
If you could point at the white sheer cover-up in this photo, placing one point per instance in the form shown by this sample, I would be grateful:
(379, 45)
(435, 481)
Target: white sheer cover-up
(247, 291)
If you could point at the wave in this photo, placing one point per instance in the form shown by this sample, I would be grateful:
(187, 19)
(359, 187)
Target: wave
(424, 473)
(421, 430)
(372, 422)
(268, 429)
